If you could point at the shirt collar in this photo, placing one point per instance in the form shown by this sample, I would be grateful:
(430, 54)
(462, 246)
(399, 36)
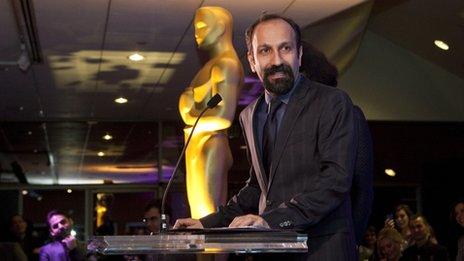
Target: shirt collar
(283, 98)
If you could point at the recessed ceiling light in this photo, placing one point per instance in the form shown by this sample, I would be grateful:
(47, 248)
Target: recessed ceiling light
(69, 191)
(107, 137)
(101, 154)
(120, 100)
(442, 45)
(390, 172)
(136, 57)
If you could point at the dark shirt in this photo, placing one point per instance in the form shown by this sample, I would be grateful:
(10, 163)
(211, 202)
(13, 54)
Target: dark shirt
(429, 251)
(261, 112)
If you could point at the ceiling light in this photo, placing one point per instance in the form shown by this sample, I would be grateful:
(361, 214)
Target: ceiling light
(390, 172)
(120, 100)
(101, 154)
(29, 133)
(69, 191)
(442, 45)
(136, 57)
(25, 192)
(107, 137)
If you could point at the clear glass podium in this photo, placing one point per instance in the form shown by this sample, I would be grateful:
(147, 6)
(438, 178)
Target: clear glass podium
(216, 240)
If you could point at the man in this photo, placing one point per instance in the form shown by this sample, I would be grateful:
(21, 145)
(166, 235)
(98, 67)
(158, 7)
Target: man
(300, 178)
(151, 217)
(63, 246)
(424, 247)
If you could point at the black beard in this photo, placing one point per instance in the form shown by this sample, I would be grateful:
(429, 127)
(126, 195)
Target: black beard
(62, 234)
(280, 86)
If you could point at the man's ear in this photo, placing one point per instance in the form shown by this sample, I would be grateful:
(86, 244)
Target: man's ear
(251, 61)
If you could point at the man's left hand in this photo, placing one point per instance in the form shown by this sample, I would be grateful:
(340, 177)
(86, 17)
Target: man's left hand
(249, 220)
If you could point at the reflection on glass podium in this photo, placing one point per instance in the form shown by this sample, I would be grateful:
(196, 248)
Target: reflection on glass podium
(216, 240)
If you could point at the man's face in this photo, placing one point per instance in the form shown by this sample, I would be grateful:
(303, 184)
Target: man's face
(419, 229)
(152, 219)
(275, 57)
(60, 226)
(18, 225)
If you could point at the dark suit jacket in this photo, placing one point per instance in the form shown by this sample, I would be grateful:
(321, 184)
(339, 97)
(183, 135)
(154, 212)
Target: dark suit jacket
(311, 174)
(362, 191)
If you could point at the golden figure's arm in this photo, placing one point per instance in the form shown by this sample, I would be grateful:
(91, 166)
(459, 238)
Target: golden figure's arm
(225, 78)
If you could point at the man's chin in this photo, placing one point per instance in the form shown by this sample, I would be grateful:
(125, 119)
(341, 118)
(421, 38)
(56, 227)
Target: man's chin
(279, 87)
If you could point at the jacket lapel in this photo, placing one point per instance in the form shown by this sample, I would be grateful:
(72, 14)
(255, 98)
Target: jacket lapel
(292, 113)
(255, 151)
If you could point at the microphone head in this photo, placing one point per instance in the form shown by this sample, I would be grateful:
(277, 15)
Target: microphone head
(214, 101)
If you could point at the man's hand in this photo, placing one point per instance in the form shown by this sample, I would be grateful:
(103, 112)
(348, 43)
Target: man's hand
(70, 242)
(249, 220)
(187, 223)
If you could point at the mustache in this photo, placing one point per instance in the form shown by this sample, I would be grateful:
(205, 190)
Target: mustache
(283, 68)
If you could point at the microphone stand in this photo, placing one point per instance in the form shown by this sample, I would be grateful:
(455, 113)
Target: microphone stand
(164, 217)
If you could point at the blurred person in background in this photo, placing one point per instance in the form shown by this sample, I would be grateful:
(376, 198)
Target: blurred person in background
(389, 244)
(151, 217)
(21, 232)
(368, 246)
(457, 214)
(424, 247)
(400, 221)
(316, 66)
(63, 245)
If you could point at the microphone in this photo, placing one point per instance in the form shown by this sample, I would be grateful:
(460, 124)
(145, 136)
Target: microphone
(211, 104)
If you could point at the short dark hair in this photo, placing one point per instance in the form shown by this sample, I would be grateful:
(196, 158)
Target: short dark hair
(154, 203)
(266, 17)
(54, 213)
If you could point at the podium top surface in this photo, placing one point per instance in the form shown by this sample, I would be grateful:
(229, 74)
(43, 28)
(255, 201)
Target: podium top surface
(219, 240)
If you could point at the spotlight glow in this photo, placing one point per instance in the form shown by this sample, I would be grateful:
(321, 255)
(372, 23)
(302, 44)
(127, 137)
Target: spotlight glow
(135, 57)
(69, 191)
(390, 172)
(120, 100)
(101, 154)
(442, 45)
(25, 192)
(107, 137)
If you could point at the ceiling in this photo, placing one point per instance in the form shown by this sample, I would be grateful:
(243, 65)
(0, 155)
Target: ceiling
(55, 111)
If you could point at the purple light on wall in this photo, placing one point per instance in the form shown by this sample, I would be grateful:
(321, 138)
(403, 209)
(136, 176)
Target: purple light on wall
(252, 88)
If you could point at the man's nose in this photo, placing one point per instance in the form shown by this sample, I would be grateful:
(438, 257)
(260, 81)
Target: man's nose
(276, 58)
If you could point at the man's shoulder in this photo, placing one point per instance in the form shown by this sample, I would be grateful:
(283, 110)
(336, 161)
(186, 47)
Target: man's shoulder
(322, 91)
(247, 111)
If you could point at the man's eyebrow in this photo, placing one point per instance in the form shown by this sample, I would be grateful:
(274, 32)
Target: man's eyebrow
(263, 45)
(285, 43)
